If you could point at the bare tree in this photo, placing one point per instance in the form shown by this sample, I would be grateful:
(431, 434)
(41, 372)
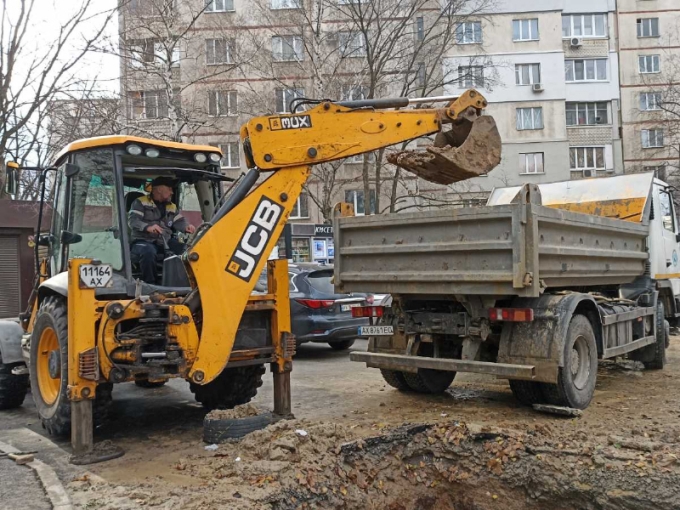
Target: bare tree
(32, 75)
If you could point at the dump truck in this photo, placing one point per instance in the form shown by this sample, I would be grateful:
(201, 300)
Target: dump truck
(91, 321)
(534, 287)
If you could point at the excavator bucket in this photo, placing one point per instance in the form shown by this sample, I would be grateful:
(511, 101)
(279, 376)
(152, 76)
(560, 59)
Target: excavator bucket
(472, 147)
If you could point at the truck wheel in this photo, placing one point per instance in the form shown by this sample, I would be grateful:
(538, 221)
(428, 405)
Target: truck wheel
(656, 352)
(527, 393)
(429, 381)
(342, 345)
(233, 387)
(395, 379)
(576, 379)
(13, 388)
(145, 383)
(49, 369)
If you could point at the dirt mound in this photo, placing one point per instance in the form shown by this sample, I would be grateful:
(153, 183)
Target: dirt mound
(241, 411)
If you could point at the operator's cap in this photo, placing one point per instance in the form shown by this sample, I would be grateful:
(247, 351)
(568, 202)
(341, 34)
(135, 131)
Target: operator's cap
(163, 181)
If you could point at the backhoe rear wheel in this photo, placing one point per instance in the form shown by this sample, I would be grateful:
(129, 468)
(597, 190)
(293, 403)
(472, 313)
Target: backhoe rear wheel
(233, 387)
(49, 370)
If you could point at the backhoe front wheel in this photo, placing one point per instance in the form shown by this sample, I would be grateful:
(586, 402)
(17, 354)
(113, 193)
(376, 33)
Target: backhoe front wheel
(234, 386)
(49, 370)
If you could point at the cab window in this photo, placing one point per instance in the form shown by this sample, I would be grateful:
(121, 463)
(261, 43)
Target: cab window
(667, 214)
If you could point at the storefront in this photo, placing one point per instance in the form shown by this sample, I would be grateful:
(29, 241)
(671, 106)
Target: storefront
(310, 242)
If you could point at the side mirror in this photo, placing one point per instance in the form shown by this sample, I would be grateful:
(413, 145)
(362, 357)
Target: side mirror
(11, 178)
(45, 239)
(70, 169)
(70, 238)
(677, 238)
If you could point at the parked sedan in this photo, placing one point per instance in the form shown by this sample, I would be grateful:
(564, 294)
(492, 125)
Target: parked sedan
(318, 313)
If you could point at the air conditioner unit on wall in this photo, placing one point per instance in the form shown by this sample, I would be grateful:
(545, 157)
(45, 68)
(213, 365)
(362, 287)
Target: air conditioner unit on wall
(576, 42)
(589, 173)
(537, 87)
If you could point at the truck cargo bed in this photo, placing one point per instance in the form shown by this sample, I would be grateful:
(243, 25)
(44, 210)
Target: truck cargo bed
(515, 250)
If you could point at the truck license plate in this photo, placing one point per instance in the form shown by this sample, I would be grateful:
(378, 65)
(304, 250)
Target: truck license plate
(96, 276)
(376, 330)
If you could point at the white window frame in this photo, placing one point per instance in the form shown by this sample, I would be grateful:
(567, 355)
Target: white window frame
(538, 162)
(529, 29)
(582, 20)
(230, 155)
(534, 74)
(593, 153)
(367, 205)
(296, 213)
(420, 28)
(286, 4)
(211, 45)
(652, 138)
(572, 62)
(145, 95)
(353, 92)
(219, 6)
(294, 42)
(469, 32)
(231, 103)
(360, 158)
(647, 25)
(471, 77)
(352, 44)
(589, 108)
(531, 117)
(650, 101)
(643, 62)
(288, 94)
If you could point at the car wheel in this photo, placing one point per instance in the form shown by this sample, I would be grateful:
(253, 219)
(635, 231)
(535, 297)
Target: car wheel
(342, 345)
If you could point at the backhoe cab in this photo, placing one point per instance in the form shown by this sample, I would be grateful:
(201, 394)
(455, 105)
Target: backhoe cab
(91, 322)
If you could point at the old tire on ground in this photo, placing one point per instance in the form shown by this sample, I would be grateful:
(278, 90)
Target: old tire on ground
(342, 345)
(218, 431)
(145, 383)
(49, 369)
(527, 393)
(234, 386)
(395, 379)
(13, 388)
(656, 352)
(429, 381)
(576, 379)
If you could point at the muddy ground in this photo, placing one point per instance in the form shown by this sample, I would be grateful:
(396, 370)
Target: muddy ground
(357, 443)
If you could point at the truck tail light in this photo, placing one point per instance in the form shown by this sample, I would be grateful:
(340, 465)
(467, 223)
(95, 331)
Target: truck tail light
(316, 304)
(511, 314)
(368, 311)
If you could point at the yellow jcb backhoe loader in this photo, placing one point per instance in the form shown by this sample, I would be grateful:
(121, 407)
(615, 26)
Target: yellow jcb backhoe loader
(91, 322)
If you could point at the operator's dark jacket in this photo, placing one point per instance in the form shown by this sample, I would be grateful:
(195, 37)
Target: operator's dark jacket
(145, 212)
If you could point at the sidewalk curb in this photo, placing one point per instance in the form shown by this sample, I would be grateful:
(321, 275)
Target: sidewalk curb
(48, 478)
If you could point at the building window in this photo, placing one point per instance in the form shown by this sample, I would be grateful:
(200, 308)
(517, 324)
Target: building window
(301, 207)
(531, 163)
(230, 155)
(648, 27)
(527, 74)
(421, 75)
(360, 158)
(650, 101)
(525, 29)
(219, 5)
(218, 51)
(352, 44)
(587, 114)
(222, 103)
(151, 7)
(470, 76)
(148, 104)
(649, 64)
(286, 48)
(141, 52)
(529, 118)
(285, 96)
(590, 69)
(652, 138)
(356, 198)
(286, 4)
(584, 25)
(586, 158)
(420, 28)
(354, 92)
(469, 33)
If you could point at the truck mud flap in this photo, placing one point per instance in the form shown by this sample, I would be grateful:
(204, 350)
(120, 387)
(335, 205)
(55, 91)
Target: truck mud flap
(413, 363)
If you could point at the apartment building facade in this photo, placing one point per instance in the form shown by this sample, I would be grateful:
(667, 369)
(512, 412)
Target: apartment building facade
(553, 88)
(650, 80)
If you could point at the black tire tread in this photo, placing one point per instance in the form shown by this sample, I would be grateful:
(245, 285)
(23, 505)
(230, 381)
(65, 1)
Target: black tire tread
(13, 388)
(234, 386)
(395, 379)
(657, 350)
(417, 382)
(218, 431)
(527, 393)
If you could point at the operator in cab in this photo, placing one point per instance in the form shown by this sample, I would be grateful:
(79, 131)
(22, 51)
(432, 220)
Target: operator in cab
(152, 220)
